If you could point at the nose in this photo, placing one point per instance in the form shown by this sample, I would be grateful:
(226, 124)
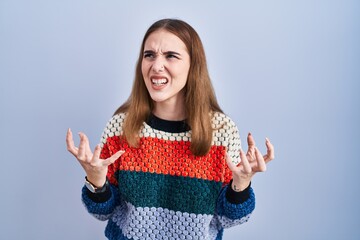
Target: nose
(158, 64)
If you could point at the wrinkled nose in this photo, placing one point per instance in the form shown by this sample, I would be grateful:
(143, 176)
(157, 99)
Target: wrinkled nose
(158, 65)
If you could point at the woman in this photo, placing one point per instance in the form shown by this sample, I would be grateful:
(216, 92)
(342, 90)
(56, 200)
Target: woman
(170, 165)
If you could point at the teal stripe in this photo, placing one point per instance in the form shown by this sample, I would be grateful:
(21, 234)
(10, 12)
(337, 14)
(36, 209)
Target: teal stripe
(182, 194)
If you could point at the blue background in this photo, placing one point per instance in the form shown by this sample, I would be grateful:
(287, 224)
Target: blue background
(287, 70)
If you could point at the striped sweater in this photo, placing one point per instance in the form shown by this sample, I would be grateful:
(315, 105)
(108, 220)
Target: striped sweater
(160, 190)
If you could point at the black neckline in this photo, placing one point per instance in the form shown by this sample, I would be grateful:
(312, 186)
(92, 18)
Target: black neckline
(167, 125)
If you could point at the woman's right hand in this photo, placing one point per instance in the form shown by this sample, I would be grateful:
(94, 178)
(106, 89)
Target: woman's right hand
(95, 168)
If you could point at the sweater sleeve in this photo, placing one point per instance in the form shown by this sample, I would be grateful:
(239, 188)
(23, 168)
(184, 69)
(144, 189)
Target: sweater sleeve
(237, 197)
(232, 207)
(102, 205)
(231, 214)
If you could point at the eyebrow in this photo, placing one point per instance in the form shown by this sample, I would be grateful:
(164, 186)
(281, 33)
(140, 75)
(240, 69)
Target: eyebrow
(165, 53)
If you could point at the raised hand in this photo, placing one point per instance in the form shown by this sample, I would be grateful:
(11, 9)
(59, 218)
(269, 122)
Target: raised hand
(95, 168)
(251, 162)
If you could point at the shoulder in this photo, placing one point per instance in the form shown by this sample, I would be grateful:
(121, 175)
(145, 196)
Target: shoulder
(226, 134)
(222, 121)
(225, 131)
(116, 121)
(113, 126)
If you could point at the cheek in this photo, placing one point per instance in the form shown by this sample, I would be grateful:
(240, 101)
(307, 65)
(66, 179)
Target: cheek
(144, 68)
(185, 73)
(180, 70)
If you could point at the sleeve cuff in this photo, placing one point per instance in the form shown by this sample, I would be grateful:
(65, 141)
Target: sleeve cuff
(237, 197)
(99, 197)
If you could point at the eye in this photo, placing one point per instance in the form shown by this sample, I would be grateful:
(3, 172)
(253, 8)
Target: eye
(169, 56)
(149, 55)
(172, 55)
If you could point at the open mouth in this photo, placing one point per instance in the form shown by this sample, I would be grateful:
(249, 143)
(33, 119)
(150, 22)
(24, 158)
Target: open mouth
(159, 81)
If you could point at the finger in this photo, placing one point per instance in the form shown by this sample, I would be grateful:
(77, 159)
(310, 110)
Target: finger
(250, 140)
(245, 162)
(230, 163)
(95, 159)
(260, 161)
(97, 152)
(113, 158)
(270, 154)
(70, 143)
(251, 155)
(88, 152)
(82, 148)
(251, 147)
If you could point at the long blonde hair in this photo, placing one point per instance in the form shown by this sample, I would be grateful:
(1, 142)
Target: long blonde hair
(200, 99)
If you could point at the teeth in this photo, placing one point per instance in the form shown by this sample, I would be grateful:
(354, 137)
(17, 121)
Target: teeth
(159, 81)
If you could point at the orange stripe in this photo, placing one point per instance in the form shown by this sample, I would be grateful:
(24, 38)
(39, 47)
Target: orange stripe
(167, 157)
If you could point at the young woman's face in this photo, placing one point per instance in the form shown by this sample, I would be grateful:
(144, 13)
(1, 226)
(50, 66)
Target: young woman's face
(165, 67)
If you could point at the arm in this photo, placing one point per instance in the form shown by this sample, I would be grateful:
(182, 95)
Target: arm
(237, 200)
(96, 168)
(234, 208)
(101, 205)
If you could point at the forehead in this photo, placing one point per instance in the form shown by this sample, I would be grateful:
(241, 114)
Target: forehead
(162, 40)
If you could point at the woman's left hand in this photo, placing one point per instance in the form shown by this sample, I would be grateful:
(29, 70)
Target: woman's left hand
(251, 162)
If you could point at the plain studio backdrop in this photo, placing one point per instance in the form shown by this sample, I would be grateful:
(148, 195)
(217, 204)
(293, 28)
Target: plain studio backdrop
(287, 70)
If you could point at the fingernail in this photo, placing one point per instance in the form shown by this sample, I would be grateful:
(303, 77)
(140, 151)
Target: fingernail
(266, 139)
(249, 133)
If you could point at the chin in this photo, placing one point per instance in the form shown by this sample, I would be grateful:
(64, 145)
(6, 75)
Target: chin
(157, 98)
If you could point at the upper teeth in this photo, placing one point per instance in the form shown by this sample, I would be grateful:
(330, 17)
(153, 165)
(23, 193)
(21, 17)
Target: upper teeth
(158, 81)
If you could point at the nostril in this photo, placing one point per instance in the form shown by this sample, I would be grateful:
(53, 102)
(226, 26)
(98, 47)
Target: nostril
(158, 68)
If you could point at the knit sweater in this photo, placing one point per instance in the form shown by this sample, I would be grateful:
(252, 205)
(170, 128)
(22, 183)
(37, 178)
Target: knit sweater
(160, 190)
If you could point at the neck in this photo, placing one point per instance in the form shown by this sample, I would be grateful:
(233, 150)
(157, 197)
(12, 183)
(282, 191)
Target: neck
(170, 111)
